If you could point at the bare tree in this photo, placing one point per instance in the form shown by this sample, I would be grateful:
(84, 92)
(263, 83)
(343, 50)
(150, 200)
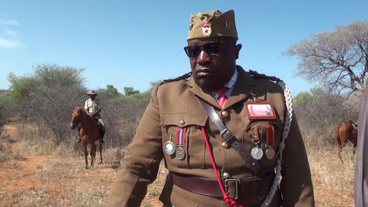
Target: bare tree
(337, 59)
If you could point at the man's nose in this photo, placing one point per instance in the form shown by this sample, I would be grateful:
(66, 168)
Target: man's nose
(203, 57)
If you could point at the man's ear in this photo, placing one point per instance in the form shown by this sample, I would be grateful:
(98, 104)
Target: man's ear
(237, 50)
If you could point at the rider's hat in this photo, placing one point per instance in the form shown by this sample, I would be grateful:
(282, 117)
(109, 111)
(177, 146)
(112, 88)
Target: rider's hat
(91, 93)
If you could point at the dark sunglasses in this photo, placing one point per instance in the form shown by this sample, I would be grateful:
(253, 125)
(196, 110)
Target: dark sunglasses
(210, 48)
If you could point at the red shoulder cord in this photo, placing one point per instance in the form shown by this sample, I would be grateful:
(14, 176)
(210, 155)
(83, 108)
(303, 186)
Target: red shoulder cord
(229, 201)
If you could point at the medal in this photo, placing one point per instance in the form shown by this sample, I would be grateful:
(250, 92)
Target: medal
(270, 153)
(180, 143)
(180, 153)
(169, 147)
(257, 153)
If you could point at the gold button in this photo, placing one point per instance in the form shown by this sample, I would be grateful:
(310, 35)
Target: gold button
(224, 114)
(225, 145)
(182, 122)
(225, 175)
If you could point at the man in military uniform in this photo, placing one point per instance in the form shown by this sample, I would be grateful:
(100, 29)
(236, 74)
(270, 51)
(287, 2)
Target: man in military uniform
(216, 151)
(92, 105)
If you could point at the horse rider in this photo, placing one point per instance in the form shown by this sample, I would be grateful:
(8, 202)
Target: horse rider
(91, 105)
(217, 152)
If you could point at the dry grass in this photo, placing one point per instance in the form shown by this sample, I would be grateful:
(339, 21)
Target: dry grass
(333, 180)
(38, 173)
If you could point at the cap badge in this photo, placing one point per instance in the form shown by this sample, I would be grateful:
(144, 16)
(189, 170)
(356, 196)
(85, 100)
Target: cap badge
(227, 22)
(206, 29)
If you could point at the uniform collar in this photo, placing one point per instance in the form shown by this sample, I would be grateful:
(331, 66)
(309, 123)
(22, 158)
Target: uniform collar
(241, 88)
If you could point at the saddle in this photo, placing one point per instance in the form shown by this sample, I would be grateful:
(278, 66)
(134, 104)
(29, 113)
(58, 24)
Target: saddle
(98, 123)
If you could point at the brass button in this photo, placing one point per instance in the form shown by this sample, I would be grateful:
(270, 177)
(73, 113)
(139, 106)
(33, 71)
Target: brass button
(225, 145)
(182, 122)
(224, 114)
(225, 175)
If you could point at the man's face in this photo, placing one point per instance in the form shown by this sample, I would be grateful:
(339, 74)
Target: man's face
(212, 61)
(92, 97)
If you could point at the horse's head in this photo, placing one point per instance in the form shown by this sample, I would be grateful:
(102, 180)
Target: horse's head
(76, 116)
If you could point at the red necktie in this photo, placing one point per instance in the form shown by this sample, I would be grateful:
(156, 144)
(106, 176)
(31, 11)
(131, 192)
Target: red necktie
(222, 97)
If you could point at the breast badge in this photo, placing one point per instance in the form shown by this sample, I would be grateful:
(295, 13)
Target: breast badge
(259, 109)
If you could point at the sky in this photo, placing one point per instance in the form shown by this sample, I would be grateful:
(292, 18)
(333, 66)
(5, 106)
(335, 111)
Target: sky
(133, 43)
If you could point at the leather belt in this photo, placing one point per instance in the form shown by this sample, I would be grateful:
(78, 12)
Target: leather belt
(235, 188)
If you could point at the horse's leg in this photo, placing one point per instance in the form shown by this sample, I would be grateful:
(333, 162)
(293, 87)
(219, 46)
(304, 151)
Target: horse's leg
(340, 142)
(93, 153)
(100, 146)
(85, 154)
(339, 149)
(341, 146)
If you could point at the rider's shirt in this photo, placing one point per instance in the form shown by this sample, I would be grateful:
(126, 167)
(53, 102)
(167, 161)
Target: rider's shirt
(90, 105)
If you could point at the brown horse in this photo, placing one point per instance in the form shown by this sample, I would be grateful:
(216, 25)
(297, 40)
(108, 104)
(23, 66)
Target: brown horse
(90, 131)
(346, 131)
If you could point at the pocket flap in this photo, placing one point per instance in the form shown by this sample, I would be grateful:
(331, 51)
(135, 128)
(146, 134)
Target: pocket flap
(183, 119)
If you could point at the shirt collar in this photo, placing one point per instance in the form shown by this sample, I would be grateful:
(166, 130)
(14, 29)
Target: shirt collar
(229, 85)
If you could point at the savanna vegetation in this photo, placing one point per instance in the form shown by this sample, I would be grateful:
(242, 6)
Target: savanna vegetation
(42, 165)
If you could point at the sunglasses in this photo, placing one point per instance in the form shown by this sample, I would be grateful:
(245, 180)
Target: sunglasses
(211, 48)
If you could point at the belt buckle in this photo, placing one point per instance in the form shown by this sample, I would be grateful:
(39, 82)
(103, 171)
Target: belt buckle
(227, 185)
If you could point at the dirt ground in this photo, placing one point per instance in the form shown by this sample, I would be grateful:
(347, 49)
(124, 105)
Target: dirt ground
(29, 174)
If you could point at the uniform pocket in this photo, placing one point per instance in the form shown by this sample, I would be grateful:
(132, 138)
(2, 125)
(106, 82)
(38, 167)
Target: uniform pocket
(194, 147)
(264, 133)
(178, 201)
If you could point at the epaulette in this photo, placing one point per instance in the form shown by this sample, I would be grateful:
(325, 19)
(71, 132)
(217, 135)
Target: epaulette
(260, 75)
(186, 75)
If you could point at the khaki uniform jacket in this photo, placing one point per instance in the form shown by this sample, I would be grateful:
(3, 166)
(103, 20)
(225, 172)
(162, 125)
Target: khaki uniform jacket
(175, 104)
(361, 172)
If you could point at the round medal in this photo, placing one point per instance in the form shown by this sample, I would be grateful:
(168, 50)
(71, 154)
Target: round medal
(180, 153)
(169, 147)
(270, 153)
(257, 153)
